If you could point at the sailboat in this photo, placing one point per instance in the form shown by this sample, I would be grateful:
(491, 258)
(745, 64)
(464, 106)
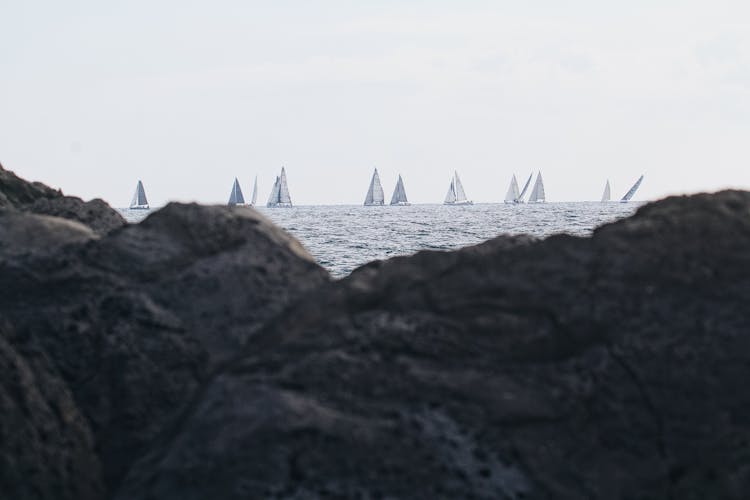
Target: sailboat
(399, 194)
(632, 190)
(537, 192)
(607, 196)
(139, 201)
(235, 197)
(456, 194)
(375, 195)
(280, 192)
(254, 197)
(525, 188)
(512, 196)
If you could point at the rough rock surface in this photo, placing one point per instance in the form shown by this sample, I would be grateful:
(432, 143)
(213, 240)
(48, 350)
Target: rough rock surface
(112, 335)
(35, 197)
(603, 367)
(201, 354)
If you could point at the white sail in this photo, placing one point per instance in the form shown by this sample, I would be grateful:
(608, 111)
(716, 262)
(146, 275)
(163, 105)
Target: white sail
(375, 194)
(632, 190)
(607, 193)
(273, 199)
(512, 195)
(139, 200)
(284, 198)
(537, 193)
(254, 197)
(460, 193)
(280, 192)
(519, 199)
(456, 194)
(450, 198)
(235, 197)
(399, 194)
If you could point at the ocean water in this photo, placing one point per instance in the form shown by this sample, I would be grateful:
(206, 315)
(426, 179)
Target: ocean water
(343, 238)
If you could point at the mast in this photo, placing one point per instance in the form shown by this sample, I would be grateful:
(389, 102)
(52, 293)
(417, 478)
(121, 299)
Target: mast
(607, 192)
(375, 195)
(632, 190)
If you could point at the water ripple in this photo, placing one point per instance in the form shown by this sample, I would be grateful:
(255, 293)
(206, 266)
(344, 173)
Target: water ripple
(342, 238)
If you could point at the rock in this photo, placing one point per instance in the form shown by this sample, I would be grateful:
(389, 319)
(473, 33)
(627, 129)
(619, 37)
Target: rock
(18, 194)
(129, 325)
(46, 446)
(96, 214)
(24, 233)
(602, 367)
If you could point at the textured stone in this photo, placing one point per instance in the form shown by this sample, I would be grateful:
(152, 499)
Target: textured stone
(602, 367)
(129, 325)
(35, 197)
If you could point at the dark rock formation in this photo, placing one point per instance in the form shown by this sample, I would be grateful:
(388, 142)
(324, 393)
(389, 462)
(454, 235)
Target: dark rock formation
(119, 331)
(46, 446)
(202, 354)
(18, 194)
(605, 367)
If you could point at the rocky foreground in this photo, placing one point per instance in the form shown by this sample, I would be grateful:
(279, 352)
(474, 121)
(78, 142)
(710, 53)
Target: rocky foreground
(203, 354)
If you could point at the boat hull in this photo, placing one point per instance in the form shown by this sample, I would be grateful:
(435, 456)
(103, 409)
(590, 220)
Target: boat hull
(279, 205)
(140, 207)
(458, 203)
(401, 204)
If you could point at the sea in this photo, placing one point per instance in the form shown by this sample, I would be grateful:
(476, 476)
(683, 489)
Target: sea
(342, 238)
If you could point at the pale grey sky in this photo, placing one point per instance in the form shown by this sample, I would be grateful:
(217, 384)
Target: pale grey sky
(187, 95)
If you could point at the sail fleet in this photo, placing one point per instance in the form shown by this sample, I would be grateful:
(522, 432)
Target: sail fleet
(607, 195)
(514, 196)
(280, 197)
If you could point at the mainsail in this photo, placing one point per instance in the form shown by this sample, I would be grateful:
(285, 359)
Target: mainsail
(235, 197)
(632, 190)
(525, 188)
(512, 196)
(254, 197)
(399, 194)
(375, 194)
(139, 198)
(537, 193)
(450, 198)
(274, 198)
(280, 192)
(607, 192)
(456, 194)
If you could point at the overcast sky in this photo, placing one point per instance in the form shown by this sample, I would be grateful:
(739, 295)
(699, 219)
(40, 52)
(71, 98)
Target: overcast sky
(187, 95)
